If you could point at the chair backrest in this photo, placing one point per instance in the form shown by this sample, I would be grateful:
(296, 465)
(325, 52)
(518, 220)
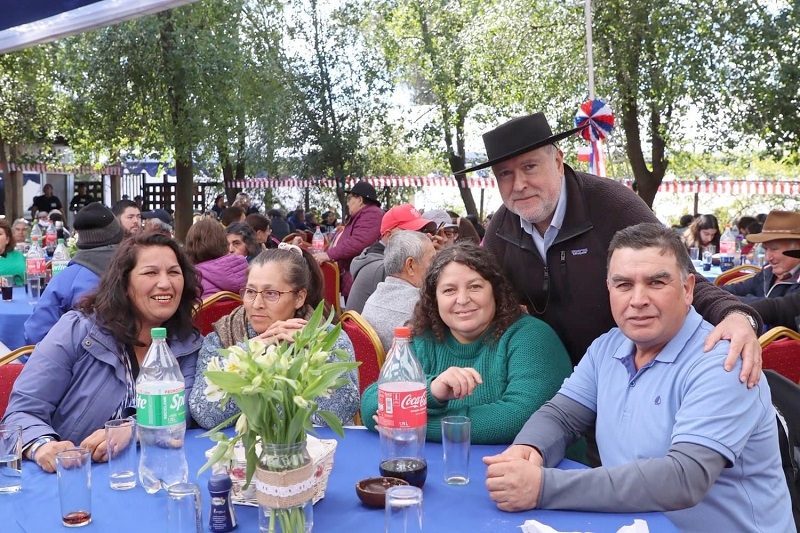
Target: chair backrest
(332, 285)
(780, 351)
(289, 238)
(786, 399)
(368, 348)
(13, 355)
(738, 279)
(8, 375)
(736, 272)
(215, 307)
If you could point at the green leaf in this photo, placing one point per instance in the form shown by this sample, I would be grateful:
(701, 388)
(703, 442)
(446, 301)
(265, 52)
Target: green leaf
(333, 422)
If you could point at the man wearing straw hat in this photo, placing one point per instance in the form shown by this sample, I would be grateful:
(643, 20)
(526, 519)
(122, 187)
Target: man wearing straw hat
(552, 236)
(781, 272)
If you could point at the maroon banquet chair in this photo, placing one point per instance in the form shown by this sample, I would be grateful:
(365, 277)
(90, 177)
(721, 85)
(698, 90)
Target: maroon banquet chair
(9, 373)
(780, 351)
(215, 307)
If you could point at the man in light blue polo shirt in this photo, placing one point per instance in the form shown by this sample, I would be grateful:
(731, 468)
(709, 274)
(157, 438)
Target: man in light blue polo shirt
(675, 431)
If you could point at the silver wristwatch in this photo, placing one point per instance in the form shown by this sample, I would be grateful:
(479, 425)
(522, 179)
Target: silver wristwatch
(749, 317)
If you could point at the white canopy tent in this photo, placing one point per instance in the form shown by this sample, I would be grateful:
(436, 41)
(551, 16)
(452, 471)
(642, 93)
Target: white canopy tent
(27, 23)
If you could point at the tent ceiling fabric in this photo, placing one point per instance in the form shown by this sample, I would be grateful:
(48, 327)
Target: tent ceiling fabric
(27, 23)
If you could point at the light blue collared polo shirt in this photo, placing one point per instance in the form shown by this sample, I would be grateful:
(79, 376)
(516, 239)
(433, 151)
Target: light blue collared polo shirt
(686, 396)
(543, 243)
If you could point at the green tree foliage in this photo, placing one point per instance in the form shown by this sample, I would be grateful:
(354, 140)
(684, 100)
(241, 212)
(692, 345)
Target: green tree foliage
(659, 59)
(29, 105)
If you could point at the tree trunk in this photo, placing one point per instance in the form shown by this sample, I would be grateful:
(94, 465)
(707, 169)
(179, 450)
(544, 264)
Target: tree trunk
(457, 163)
(13, 186)
(184, 193)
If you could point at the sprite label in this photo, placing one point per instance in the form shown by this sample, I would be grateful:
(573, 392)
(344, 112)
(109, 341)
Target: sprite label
(160, 406)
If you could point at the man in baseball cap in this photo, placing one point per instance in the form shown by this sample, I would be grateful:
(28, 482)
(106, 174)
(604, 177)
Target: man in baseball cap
(158, 220)
(99, 233)
(367, 268)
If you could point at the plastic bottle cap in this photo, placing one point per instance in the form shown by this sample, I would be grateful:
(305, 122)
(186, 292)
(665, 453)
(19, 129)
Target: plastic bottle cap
(402, 331)
(60, 241)
(158, 333)
(219, 483)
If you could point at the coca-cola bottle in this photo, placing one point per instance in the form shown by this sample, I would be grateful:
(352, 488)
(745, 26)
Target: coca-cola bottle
(403, 412)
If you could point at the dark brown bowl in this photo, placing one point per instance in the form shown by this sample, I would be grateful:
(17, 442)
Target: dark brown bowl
(372, 491)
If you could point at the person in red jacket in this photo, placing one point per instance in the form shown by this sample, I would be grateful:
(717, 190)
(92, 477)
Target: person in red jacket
(363, 229)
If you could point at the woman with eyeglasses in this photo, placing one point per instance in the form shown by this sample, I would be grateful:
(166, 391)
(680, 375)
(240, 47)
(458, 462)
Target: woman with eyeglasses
(284, 286)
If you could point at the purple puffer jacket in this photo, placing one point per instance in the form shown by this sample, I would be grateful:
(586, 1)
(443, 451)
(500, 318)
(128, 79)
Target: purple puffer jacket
(226, 273)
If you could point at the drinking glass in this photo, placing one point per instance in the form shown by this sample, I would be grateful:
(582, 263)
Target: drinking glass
(456, 432)
(74, 469)
(694, 253)
(404, 509)
(121, 442)
(7, 287)
(712, 249)
(10, 458)
(184, 509)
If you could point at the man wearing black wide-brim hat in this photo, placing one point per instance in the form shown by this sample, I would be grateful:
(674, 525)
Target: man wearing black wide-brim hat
(552, 237)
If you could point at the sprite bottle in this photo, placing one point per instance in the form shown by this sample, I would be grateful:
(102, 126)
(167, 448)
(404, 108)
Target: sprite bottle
(161, 416)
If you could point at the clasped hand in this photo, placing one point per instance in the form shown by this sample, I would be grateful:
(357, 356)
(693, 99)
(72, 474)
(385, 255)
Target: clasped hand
(514, 478)
(281, 330)
(455, 383)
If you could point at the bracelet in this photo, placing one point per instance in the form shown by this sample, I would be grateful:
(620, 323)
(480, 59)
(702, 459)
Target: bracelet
(41, 441)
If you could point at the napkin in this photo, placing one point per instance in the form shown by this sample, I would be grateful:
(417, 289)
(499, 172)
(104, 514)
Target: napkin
(533, 526)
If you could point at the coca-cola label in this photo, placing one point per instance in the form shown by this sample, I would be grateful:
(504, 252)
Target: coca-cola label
(402, 407)
(35, 266)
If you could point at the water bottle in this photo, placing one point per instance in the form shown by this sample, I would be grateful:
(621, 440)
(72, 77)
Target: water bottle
(60, 257)
(35, 270)
(50, 239)
(161, 415)
(36, 231)
(403, 412)
(727, 242)
(318, 242)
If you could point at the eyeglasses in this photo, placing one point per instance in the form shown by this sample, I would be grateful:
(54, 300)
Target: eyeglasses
(268, 295)
(450, 232)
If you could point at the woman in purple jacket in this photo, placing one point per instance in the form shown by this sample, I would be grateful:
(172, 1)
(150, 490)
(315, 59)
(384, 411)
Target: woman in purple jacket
(207, 248)
(362, 230)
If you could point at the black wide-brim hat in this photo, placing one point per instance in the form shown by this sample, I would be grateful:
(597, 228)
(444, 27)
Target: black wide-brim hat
(517, 136)
(366, 191)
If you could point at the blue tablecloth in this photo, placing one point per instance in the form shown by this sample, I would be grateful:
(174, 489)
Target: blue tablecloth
(13, 315)
(710, 275)
(446, 508)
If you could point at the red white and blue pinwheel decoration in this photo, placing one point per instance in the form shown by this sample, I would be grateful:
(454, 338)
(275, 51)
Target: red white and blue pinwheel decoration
(597, 114)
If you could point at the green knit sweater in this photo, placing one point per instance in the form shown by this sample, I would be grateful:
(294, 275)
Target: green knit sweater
(520, 371)
(13, 264)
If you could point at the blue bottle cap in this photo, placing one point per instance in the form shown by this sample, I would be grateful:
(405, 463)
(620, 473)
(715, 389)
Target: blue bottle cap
(219, 483)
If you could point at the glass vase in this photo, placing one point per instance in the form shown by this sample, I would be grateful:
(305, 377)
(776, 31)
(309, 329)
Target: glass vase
(285, 477)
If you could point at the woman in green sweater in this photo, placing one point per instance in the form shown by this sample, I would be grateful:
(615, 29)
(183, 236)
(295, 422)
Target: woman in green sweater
(12, 262)
(483, 357)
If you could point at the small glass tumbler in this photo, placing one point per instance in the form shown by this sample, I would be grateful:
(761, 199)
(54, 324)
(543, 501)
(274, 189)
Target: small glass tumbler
(7, 288)
(10, 458)
(74, 468)
(121, 443)
(184, 509)
(456, 434)
(404, 509)
(694, 253)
